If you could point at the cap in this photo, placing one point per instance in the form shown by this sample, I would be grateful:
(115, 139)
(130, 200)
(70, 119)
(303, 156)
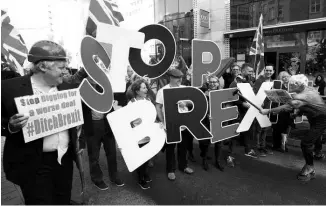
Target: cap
(175, 73)
(46, 50)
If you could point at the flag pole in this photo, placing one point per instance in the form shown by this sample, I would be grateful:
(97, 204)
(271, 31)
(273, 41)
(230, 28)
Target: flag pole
(255, 67)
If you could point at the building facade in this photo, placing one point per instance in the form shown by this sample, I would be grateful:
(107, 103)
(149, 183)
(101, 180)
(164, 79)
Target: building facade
(177, 16)
(294, 30)
(294, 33)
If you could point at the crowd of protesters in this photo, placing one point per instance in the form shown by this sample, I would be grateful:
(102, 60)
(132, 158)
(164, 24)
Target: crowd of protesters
(45, 175)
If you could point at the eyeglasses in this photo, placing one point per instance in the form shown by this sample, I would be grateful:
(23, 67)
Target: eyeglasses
(215, 82)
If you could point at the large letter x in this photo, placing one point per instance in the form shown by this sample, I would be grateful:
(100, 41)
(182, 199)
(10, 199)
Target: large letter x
(252, 112)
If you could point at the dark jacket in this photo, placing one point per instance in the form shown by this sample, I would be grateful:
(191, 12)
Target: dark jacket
(88, 121)
(206, 121)
(21, 160)
(239, 103)
(257, 85)
(228, 79)
(321, 86)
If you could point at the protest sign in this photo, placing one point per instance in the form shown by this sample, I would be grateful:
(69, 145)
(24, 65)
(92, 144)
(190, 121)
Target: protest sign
(127, 137)
(278, 96)
(50, 113)
(192, 120)
(277, 84)
(253, 112)
(223, 114)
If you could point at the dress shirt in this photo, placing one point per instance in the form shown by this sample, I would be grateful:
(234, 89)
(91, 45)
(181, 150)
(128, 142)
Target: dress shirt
(58, 141)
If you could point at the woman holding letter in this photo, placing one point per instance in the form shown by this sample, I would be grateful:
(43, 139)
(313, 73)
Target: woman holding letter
(309, 103)
(140, 89)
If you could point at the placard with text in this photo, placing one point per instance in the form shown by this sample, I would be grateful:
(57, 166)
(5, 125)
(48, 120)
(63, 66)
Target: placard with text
(50, 113)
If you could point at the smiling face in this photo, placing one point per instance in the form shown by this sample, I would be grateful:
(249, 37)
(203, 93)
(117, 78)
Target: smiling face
(247, 72)
(53, 72)
(269, 71)
(213, 83)
(235, 70)
(142, 92)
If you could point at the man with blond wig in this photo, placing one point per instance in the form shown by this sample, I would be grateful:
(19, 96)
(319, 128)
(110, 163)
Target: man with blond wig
(309, 103)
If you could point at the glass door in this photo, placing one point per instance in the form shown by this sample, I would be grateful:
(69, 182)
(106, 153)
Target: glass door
(290, 62)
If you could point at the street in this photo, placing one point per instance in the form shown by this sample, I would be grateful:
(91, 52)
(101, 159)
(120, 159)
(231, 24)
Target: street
(268, 180)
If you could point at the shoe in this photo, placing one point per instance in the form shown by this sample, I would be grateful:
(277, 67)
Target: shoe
(229, 161)
(269, 152)
(319, 156)
(147, 179)
(205, 164)
(143, 184)
(283, 148)
(191, 157)
(280, 149)
(101, 185)
(188, 171)
(261, 153)
(150, 163)
(286, 149)
(307, 173)
(219, 166)
(117, 182)
(171, 176)
(252, 154)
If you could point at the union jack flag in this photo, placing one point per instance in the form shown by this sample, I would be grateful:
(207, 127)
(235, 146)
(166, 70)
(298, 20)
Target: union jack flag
(103, 11)
(257, 49)
(13, 47)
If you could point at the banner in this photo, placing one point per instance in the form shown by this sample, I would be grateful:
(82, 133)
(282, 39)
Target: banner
(204, 18)
(278, 96)
(50, 113)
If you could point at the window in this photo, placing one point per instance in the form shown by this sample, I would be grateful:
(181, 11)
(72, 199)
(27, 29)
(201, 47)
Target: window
(271, 13)
(314, 6)
(280, 12)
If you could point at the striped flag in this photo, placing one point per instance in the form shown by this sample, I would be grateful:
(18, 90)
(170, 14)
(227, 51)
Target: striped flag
(257, 49)
(13, 47)
(103, 11)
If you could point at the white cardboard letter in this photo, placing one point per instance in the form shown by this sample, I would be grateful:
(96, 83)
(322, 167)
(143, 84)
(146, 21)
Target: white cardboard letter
(127, 137)
(252, 112)
(122, 40)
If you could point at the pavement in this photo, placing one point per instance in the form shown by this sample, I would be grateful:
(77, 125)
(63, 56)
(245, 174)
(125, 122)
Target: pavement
(268, 180)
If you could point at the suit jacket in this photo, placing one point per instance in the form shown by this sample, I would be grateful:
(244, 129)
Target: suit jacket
(88, 121)
(242, 110)
(21, 160)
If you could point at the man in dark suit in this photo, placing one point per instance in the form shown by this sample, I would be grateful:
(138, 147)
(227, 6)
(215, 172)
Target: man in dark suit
(43, 173)
(97, 130)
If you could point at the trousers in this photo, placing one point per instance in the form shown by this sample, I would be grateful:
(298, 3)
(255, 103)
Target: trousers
(52, 182)
(308, 143)
(204, 146)
(102, 134)
(181, 153)
(142, 171)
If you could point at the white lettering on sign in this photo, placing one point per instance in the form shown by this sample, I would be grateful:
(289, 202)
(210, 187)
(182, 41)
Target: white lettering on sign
(204, 18)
